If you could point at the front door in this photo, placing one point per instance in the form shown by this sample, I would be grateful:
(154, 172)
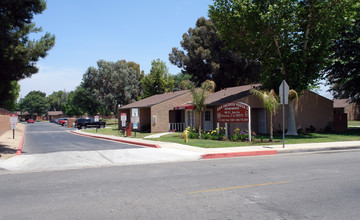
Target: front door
(208, 119)
(189, 118)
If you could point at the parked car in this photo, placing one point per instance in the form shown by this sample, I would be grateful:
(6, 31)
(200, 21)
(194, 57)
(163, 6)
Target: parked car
(62, 121)
(30, 120)
(83, 123)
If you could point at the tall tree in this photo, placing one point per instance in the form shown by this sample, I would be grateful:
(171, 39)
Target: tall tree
(178, 78)
(158, 80)
(57, 99)
(206, 56)
(291, 38)
(83, 100)
(270, 101)
(19, 53)
(113, 83)
(70, 107)
(198, 96)
(343, 74)
(13, 94)
(34, 102)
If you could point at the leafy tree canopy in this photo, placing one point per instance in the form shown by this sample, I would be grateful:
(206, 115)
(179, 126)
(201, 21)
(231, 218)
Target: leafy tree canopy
(178, 78)
(81, 101)
(71, 108)
(34, 102)
(291, 38)
(206, 56)
(57, 99)
(158, 80)
(343, 74)
(13, 89)
(19, 53)
(113, 83)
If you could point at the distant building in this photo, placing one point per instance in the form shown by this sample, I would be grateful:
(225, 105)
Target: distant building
(55, 114)
(352, 110)
(175, 111)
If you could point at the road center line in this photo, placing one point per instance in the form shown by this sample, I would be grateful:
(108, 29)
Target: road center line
(238, 187)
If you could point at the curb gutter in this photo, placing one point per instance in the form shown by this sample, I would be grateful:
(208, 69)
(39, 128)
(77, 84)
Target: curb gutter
(239, 154)
(21, 144)
(318, 149)
(117, 140)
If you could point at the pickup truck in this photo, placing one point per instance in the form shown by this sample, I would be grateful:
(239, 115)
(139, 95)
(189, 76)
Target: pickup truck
(83, 123)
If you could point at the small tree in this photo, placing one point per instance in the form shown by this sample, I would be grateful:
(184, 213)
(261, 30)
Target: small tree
(158, 80)
(270, 101)
(34, 102)
(199, 95)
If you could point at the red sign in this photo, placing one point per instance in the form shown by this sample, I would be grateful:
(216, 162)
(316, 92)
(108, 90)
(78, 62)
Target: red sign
(232, 112)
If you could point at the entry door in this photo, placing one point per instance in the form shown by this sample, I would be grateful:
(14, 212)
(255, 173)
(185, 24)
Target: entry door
(189, 118)
(262, 121)
(208, 120)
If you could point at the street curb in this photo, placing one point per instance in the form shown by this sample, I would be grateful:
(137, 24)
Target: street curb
(317, 149)
(21, 144)
(239, 154)
(117, 140)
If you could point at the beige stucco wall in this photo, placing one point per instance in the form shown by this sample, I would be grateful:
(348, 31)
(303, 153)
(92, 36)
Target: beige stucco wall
(4, 123)
(144, 117)
(161, 111)
(310, 109)
(353, 111)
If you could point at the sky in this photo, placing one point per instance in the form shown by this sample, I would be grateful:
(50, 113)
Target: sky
(90, 30)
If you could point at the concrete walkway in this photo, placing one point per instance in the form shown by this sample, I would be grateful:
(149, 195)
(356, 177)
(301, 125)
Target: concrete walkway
(153, 152)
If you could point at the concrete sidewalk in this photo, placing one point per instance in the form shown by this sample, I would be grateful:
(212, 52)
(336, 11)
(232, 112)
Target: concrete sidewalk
(235, 151)
(153, 152)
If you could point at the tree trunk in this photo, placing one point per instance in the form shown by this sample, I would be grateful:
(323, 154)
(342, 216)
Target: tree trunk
(271, 129)
(199, 135)
(291, 123)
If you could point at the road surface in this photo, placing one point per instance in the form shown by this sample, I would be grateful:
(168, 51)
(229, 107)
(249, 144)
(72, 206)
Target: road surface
(294, 186)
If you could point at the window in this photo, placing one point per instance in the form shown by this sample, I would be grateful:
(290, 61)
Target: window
(207, 116)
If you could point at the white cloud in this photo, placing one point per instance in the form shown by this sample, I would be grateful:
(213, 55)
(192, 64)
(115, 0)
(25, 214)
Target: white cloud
(50, 79)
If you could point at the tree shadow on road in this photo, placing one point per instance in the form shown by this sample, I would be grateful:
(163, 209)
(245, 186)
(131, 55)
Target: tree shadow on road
(5, 149)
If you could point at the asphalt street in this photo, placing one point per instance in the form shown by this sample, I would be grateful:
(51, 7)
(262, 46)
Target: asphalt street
(289, 186)
(44, 137)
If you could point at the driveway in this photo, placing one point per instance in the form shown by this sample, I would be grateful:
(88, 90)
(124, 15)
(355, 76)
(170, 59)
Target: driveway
(52, 147)
(44, 137)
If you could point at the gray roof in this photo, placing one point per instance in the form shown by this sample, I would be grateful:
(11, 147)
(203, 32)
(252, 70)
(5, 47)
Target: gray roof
(230, 94)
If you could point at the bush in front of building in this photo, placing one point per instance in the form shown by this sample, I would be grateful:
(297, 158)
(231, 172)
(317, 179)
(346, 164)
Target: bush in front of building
(242, 135)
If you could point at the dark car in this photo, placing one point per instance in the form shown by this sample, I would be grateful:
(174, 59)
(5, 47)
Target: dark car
(83, 123)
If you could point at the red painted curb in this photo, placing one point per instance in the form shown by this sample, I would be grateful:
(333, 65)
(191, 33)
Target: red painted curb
(123, 141)
(239, 154)
(21, 144)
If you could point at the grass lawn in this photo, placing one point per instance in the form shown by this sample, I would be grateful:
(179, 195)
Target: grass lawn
(353, 124)
(111, 122)
(351, 135)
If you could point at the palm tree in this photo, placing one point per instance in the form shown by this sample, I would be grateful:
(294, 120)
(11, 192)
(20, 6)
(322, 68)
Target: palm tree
(270, 101)
(199, 95)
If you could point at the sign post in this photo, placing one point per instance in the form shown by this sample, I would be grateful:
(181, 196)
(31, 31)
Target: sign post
(234, 112)
(123, 119)
(284, 100)
(135, 119)
(13, 121)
